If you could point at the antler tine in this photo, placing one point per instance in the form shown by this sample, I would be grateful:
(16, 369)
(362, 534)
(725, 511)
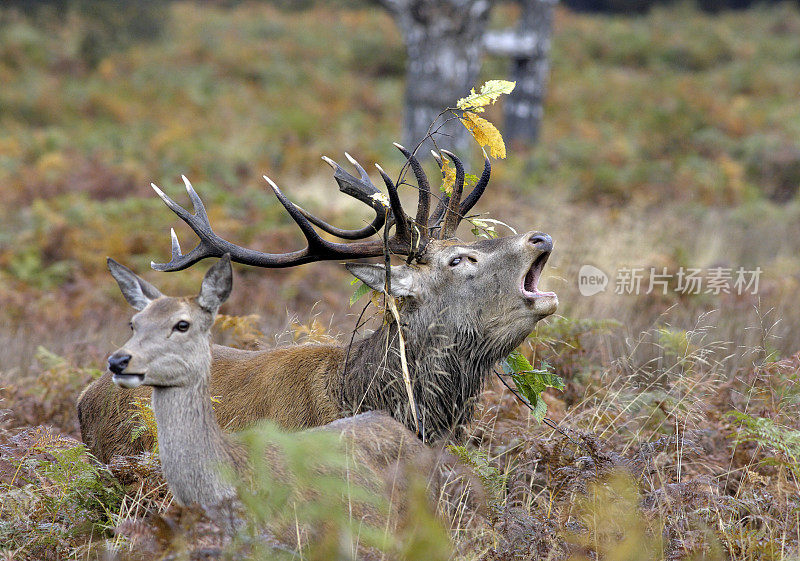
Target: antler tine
(313, 239)
(451, 215)
(360, 189)
(197, 203)
(184, 214)
(423, 205)
(477, 191)
(211, 245)
(402, 231)
(208, 246)
(319, 249)
(436, 217)
(176, 245)
(176, 253)
(361, 171)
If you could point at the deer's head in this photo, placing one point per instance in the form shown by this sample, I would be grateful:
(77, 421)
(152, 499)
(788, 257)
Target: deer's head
(487, 287)
(170, 341)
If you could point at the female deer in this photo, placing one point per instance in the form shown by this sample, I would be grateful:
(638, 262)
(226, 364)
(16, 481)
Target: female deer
(170, 351)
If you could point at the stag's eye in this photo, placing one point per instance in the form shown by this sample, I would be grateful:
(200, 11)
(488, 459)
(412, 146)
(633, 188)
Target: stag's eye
(182, 326)
(455, 261)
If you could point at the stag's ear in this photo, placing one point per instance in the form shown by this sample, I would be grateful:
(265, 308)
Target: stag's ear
(217, 285)
(137, 291)
(403, 279)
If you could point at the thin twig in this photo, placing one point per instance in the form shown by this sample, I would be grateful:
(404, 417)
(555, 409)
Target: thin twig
(403, 361)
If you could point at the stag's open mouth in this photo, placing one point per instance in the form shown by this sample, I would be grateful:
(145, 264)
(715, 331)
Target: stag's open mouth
(128, 380)
(531, 279)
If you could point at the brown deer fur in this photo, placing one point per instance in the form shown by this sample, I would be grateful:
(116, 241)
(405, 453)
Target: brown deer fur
(285, 385)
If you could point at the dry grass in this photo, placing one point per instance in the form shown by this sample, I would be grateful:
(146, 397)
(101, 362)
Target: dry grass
(651, 461)
(664, 139)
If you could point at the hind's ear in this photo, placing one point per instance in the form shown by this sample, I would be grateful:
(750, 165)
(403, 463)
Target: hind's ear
(402, 278)
(217, 285)
(137, 291)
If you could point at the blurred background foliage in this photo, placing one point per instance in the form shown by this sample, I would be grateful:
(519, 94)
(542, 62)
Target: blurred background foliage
(643, 6)
(673, 137)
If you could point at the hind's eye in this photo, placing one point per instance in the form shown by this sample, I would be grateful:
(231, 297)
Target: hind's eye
(455, 261)
(130, 324)
(181, 326)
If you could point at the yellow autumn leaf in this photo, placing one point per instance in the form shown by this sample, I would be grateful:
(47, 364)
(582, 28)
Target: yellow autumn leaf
(448, 176)
(485, 134)
(490, 91)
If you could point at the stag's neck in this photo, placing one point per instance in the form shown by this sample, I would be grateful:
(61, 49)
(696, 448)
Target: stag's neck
(448, 371)
(191, 444)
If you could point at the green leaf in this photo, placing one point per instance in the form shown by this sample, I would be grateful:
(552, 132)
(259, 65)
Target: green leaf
(470, 179)
(49, 359)
(490, 91)
(487, 227)
(359, 293)
(516, 362)
(531, 382)
(482, 229)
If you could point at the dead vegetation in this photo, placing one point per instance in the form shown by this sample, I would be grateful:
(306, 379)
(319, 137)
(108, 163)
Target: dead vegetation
(664, 140)
(648, 467)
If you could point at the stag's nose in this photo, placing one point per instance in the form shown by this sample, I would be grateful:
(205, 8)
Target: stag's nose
(541, 241)
(118, 362)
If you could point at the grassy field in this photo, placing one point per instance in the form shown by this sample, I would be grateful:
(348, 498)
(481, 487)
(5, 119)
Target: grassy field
(670, 141)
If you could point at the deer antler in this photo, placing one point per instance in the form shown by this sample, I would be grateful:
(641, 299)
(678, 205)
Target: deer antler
(361, 189)
(424, 186)
(477, 191)
(317, 249)
(448, 214)
(410, 236)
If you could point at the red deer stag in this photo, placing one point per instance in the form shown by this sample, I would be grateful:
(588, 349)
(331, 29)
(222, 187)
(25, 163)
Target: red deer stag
(463, 307)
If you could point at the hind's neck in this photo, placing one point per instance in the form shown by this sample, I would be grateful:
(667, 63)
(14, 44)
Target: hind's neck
(191, 444)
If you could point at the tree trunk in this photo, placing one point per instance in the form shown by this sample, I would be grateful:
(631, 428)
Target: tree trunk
(529, 49)
(444, 42)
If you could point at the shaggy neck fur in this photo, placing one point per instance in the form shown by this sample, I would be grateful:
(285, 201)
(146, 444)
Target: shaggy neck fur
(448, 363)
(191, 444)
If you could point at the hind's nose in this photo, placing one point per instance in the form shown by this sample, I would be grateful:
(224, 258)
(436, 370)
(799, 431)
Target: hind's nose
(541, 241)
(118, 362)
